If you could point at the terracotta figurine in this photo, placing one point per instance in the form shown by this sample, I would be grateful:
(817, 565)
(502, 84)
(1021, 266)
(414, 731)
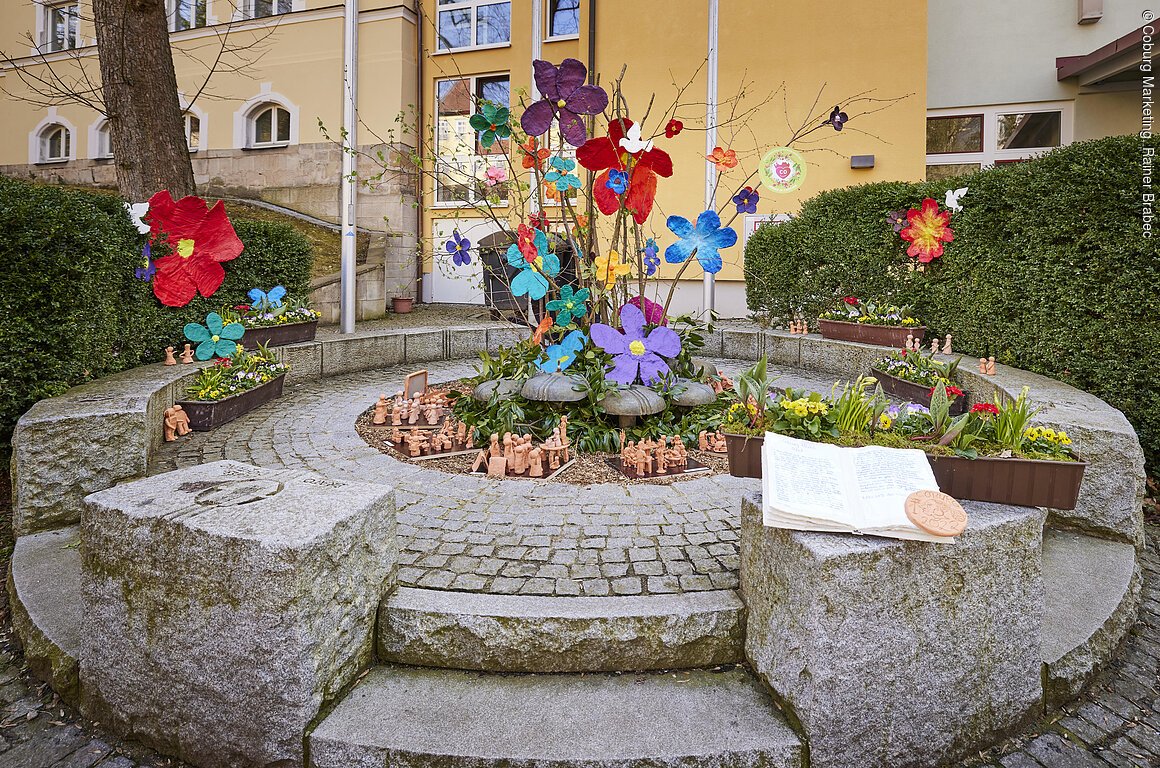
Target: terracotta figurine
(983, 365)
(536, 461)
(934, 346)
(947, 345)
(991, 366)
(170, 425)
(181, 419)
(187, 355)
(169, 358)
(381, 410)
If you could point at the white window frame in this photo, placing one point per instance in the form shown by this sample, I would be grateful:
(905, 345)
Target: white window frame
(548, 36)
(991, 154)
(101, 140)
(471, 5)
(47, 39)
(172, 6)
(252, 126)
(43, 143)
(476, 164)
(186, 116)
(250, 9)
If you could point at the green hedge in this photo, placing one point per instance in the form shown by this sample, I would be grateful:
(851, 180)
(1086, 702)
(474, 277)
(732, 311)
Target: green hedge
(1049, 270)
(71, 308)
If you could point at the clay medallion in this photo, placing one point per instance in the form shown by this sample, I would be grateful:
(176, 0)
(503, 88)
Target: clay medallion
(936, 513)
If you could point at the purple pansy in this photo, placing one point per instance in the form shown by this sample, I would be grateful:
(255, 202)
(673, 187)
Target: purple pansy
(635, 354)
(565, 97)
(837, 119)
(897, 220)
(460, 249)
(746, 200)
(148, 268)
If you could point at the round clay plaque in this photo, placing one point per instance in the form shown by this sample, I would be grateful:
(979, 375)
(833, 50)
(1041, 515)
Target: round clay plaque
(936, 513)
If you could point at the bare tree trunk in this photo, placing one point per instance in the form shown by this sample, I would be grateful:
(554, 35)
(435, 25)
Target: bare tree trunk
(140, 90)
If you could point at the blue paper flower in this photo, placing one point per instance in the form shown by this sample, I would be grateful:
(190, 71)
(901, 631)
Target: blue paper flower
(148, 269)
(652, 256)
(561, 174)
(532, 281)
(746, 200)
(703, 240)
(559, 356)
(460, 249)
(617, 181)
(214, 339)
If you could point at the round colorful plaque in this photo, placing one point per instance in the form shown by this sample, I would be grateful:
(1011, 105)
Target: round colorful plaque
(783, 169)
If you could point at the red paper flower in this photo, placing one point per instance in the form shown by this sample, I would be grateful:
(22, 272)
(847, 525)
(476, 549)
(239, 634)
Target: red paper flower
(605, 154)
(539, 220)
(926, 231)
(851, 300)
(673, 127)
(988, 408)
(200, 237)
(526, 241)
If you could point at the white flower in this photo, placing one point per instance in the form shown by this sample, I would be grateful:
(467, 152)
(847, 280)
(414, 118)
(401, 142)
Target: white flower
(953, 197)
(137, 212)
(631, 142)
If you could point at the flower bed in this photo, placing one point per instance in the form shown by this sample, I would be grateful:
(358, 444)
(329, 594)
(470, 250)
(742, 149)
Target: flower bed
(232, 387)
(272, 320)
(913, 376)
(870, 322)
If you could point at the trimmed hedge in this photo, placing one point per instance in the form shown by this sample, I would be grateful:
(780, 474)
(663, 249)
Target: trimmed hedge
(71, 308)
(1049, 270)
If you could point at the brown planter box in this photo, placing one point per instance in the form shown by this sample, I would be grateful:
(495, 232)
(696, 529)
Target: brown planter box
(916, 393)
(744, 454)
(278, 335)
(205, 415)
(881, 335)
(1022, 482)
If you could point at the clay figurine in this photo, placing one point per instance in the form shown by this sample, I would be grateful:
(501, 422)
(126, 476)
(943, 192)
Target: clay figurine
(497, 467)
(494, 451)
(947, 345)
(909, 342)
(169, 358)
(181, 419)
(536, 462)
(170, 425)
(187, 355)
(990, 366)
(381, 410)
(934, 346)
(983, 365)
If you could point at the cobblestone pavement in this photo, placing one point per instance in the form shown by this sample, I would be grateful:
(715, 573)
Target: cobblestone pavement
(506, 537)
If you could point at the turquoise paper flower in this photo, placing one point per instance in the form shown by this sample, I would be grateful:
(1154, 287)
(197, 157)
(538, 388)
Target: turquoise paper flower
(560, 356)
(532, 281)
(561, 174)
(491, 121)
(214, 339)
(570, 306)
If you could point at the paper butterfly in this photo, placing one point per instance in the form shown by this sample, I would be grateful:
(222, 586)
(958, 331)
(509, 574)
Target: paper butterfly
(260, 298)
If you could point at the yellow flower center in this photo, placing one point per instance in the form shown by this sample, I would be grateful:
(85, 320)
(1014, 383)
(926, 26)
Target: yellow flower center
(185, 248)
(216, 338)
(569, 304)
(637, 347)
(561, 103)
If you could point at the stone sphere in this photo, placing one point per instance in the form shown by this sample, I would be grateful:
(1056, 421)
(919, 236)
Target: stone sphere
(689, 394)
(633, 401)
(555, 388)
(505, 387)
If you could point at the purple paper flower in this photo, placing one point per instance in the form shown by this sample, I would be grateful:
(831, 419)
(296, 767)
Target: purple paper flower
(837, 119)
(148, 268)
(635, 354)
(654, 314)
(460, 249)
(566, 98)
(746, 200)
(652, 257)
(897, 220)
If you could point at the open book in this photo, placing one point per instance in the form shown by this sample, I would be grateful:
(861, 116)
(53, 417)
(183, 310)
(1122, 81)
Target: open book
(817, 487)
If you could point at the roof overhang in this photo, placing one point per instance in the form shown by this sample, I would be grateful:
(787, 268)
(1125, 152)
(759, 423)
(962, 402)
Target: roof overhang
(1114, 67)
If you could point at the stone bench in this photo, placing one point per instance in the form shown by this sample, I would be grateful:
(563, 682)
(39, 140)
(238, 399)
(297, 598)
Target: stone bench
(225, 604)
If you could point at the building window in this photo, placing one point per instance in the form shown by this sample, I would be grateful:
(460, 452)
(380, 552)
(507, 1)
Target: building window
(104, 149)
(55, 144)
(269, 126)
(563, 18)
(473, 23)
(461, 161)
(193, 131)
(60, 26)
(261, 8)
(957, 144)
(188, 14)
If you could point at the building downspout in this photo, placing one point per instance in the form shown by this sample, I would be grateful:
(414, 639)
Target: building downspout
(591, 43)
(420, 126)
(709, 297)
(349, 293)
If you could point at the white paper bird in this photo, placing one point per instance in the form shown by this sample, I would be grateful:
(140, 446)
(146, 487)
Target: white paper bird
(631, 142)
(953, 197)
(137, 213)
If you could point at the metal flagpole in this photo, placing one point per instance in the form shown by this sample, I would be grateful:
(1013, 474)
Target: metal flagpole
(349, 182)
(710, 141)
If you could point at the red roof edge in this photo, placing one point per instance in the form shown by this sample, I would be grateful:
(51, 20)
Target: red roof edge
(1070, 66)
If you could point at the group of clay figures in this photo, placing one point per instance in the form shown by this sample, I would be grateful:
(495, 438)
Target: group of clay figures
(798, 327)
(427, 408)
(650, 458)
(176, 423)
(713, 442)
(186, 356)
(418, 442)
(519, 456)
(914, 345)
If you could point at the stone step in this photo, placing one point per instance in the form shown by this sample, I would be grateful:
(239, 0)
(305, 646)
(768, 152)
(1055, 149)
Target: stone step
(515, 633)
(403, 716)
(1092, 595)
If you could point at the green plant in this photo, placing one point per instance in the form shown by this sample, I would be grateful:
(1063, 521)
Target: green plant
(854, 310)
(1049, 271)
(854, 410)
(1011, 422)
(919, 368)
(803, 414)
(755, 386)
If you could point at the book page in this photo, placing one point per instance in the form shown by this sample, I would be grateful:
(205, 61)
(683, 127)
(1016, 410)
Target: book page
(803, 480)
(883, 478)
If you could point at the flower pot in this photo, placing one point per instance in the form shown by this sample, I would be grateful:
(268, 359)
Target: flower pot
(205, 415)
(916, 393)
(744, 454)
(278, 335)
(401, 305)
(1021, 482)
(865, 333)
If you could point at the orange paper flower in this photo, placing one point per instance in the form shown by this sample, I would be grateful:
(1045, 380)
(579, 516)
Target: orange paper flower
(544, 326)
(926, 231)
(534, 156)
(724, 159)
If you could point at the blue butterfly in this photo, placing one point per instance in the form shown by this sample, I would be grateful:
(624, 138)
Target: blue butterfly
(259, 299)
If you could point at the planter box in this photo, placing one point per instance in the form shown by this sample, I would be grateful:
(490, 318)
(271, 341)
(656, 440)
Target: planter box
(882, 335)
(916, 393)
(277, 335)
(1021, 482)
(744, 454)
(205, 415)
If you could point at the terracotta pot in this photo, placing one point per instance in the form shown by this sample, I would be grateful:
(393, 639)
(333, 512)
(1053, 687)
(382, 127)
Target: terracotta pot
(744, 454)
(882, 335)
(401, 305)
(916, 393)
(205, 415)
(1022, 482)
(278, 335)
